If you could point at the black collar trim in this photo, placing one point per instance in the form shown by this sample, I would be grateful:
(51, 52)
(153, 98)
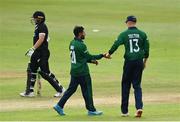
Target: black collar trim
(132, 28)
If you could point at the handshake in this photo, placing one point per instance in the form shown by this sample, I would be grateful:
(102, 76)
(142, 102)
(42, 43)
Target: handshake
(105, 55)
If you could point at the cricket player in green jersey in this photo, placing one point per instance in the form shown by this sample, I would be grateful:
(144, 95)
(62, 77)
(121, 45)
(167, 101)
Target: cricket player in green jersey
(136, 53)
(80, 73)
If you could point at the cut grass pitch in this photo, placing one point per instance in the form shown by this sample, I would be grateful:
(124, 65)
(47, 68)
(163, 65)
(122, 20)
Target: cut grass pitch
(161, 79)
(158, 112)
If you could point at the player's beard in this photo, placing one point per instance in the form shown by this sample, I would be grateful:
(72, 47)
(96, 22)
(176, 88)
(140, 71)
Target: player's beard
(82, 37)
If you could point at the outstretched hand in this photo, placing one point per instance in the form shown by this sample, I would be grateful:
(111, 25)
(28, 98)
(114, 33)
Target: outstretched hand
(107, 55)
(95, 62)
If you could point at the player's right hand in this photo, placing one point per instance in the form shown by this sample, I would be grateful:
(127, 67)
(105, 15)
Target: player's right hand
(107, 55)
(30, 52)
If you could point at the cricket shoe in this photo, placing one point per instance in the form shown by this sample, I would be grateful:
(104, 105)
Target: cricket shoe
(125, 115)
(94, 113)
(59, 110)
(25, 94)
(60, 94)
(139, 113)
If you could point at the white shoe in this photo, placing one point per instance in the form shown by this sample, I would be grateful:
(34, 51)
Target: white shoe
(24, 94)
(60, 94)
(125, 115)
(139, 113)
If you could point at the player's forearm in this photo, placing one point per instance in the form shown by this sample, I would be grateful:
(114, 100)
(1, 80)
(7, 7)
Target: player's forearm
(40, 41)
(146, 55)
(146, 49)
(114, 47)
(94, 57)
(97, 57)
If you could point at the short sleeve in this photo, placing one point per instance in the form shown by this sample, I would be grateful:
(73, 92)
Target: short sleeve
(42, 29)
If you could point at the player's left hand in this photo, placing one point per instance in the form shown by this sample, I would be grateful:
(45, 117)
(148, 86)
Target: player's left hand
(30, 52)
(94, 62)
(144, 65)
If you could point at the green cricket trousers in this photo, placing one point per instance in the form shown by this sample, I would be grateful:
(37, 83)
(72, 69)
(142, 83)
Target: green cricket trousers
(86, 89)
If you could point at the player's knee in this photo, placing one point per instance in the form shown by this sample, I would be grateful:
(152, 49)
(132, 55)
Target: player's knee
(44, 74)
(136, 87)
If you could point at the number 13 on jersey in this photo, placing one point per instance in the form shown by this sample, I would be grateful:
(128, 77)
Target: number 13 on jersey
(134, 47)
(73, 55)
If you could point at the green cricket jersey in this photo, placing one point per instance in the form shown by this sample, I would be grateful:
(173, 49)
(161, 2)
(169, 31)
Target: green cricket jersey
(135, 42)
(80, 57)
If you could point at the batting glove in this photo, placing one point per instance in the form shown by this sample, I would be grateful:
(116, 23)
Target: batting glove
(30, 52)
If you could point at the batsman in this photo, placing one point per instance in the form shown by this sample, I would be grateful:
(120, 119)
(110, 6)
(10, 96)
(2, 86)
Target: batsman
(39, 55)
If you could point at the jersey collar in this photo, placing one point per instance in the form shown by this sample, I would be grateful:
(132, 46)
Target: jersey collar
(132, 28)
(78, 39)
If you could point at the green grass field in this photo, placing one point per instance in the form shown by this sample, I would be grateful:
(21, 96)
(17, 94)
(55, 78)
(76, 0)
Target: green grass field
(161, 79)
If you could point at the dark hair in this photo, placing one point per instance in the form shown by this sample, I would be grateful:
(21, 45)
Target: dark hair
(39, 15)
(77, 30)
